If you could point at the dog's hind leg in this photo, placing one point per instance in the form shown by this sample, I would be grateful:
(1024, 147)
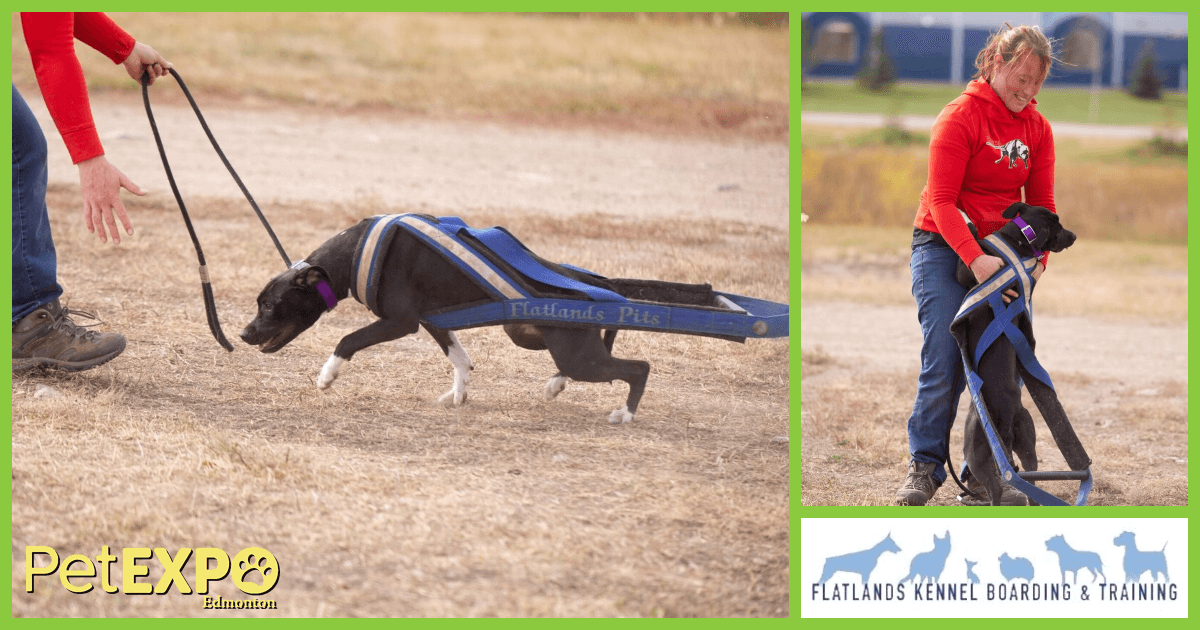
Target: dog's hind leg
(558, 382)
(583, 355)
(461, 361)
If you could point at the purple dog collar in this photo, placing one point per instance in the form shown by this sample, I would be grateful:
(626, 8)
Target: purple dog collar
(1029, 235)
(327, 293)
(322, 287)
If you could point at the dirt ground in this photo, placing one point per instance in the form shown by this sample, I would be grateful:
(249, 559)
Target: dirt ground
(377, 501)
(305, 155)
(1122, 380)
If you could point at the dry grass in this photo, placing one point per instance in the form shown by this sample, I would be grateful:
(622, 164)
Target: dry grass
(1109, 199)
(1092, 278)
(375, 501)
(853, 450)
(660, 75)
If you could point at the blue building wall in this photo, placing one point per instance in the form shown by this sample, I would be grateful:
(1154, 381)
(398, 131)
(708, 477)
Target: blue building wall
(1170, 54)
(918, 52)
(923, 52)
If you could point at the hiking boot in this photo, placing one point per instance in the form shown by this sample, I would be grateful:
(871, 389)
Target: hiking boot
(1008, 495)
(48, 338)
(919, 485)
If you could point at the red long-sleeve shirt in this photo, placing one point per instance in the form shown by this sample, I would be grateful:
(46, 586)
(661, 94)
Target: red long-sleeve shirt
(980, 156)
(50, 38)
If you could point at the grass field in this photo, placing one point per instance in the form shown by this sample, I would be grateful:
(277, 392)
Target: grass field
(658, 74)
(1058, 104)
(1106, 189)
(376, 501)
(1094, 278)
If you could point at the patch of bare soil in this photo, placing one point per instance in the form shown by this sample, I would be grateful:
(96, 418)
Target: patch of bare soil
(1123, 383)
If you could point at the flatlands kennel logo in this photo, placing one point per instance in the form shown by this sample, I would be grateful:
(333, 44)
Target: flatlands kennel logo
(936, 572)
(211, 565)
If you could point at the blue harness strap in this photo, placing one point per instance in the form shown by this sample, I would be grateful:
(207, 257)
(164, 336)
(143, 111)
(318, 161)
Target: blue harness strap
(513, 252)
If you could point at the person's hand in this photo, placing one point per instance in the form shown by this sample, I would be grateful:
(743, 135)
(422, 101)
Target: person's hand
(101, 184)
(145, 59)
(984, 267)
(1037, 271)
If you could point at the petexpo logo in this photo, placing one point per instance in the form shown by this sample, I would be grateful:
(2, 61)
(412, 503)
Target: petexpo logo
(253, 570)
(982, 567)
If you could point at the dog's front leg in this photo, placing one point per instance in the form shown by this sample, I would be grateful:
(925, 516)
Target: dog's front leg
(377, 332)
(462, 371)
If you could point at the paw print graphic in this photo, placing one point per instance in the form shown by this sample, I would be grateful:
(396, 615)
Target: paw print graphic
(255, 559)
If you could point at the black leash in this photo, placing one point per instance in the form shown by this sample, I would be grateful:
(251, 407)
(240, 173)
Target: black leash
(210, 306)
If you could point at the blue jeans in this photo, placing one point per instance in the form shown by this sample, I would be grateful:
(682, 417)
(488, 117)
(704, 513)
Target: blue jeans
(34, 263)
(942, 380)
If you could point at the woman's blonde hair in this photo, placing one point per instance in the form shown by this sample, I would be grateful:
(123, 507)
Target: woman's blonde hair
(1012, 43)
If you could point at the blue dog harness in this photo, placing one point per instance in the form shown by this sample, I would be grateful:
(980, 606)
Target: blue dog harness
(445, 236)
(1008, 320)
(569, 301)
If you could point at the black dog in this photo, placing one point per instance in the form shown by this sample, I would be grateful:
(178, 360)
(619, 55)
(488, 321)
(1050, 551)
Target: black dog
(416, 280)
(998, 367)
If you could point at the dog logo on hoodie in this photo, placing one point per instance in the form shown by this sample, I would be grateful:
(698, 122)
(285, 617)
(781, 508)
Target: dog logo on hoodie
(1012, 150)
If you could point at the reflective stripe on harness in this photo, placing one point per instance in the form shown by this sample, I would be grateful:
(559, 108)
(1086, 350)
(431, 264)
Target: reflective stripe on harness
(465, 247)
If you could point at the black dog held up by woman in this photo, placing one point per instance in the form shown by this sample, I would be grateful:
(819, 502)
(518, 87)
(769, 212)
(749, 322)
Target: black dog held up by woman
(1030, 232)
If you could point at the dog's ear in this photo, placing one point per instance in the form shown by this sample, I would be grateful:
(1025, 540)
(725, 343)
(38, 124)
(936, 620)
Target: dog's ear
(1014, 210)
(309, 277)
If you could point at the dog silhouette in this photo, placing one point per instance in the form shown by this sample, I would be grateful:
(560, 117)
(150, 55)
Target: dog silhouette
(930, 563)
(860, 562)
(970, 571)
(1138, 562)
(1072, 560)
(1012, 151)
(1013, 568)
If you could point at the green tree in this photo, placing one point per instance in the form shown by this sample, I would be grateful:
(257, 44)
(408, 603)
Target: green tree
(1146, 82)
(879, 73)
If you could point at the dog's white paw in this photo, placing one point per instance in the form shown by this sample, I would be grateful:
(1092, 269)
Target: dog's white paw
(329, 372)
(453, 398)
(621, 416)
(555, 386)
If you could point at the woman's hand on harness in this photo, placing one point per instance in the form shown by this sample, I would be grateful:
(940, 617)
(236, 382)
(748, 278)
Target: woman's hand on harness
(1037, 271)
(986, 266)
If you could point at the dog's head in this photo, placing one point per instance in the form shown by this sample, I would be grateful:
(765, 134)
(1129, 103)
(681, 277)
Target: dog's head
(288, 306)
(1050, 235)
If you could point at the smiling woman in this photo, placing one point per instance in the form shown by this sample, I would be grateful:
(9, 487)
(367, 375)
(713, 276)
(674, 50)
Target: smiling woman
(989, 148)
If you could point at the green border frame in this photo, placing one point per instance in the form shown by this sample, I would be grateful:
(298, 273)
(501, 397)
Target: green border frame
(951, 511)
(470, 5)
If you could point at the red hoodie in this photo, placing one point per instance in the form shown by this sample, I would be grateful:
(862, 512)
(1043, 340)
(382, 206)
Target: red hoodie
(51, 41)
(980, 155)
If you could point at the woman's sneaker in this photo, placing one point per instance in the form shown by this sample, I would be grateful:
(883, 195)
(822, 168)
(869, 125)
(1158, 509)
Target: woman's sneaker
(919, 486)
(48, 338)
